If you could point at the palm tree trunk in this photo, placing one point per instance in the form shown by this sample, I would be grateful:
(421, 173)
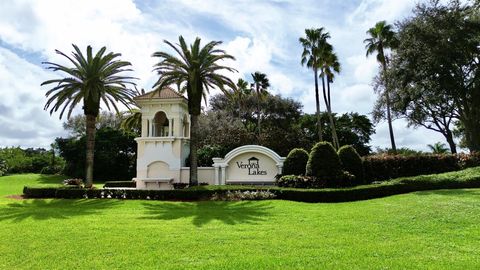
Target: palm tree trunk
(258, 111)
(336, 144)
(389, 114)
(90, 124)
(193, 150)
(317, 101)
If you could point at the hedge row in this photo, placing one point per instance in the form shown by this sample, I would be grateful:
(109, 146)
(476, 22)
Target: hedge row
(120, 184)
(384, 167)
(464, 179)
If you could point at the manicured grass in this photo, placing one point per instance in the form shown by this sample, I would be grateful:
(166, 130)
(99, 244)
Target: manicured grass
(421, 230)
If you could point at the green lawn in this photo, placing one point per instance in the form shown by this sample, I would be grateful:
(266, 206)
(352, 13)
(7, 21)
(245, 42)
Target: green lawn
(422, 230)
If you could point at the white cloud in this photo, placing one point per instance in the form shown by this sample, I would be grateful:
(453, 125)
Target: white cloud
(23, 120)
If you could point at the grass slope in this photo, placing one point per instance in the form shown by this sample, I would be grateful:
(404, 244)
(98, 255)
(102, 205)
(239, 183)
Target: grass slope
(422, 230)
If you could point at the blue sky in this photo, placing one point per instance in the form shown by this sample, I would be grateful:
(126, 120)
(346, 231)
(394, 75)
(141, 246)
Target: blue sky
(262, 35)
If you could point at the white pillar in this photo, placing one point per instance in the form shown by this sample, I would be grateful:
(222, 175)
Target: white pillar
(169, 127)
(217, 178)
(224, 176)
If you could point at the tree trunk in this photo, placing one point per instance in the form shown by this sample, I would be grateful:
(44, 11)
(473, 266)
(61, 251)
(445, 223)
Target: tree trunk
(389, 114)
(90, 124)
(335, 142)
(258, 111)
(451, 142)
(472, 133)
(193, 150)
(317, 101)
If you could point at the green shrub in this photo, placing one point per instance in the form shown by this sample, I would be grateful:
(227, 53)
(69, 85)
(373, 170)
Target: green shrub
(300, 181)
(120, 184)
(385, 167)
(296, 162)
(352, 163)
(39, 192)
(324, 164)
(469, 160)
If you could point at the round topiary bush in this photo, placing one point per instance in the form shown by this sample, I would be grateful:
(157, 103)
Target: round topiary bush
(324, 162)
(295, 162)
(352, 163)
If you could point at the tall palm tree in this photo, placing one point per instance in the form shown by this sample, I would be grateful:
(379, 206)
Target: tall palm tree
(330, 66)
(314, 43)
(382, 38)
(240, 93)
(90, 80)
(260, 85)
(194, 70)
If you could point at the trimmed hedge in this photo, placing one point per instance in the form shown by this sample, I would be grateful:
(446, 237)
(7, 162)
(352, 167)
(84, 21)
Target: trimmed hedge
(300, 181)
(352, 163)
(469, 178)
(120, 184)
(323, 161)
(296, 162)
(384, 167)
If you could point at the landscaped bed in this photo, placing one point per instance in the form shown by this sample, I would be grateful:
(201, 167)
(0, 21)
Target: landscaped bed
(421, 230)
(469, 178)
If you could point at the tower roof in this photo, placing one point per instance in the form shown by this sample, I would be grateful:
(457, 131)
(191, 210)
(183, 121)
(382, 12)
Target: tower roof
(165, 93)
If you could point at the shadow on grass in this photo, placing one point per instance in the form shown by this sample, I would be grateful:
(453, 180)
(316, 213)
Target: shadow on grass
(53, 209)
(451, 192)
(230, 213)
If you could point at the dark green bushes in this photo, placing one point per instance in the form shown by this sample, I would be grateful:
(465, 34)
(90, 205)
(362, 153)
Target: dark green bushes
(352, 163)
(323, 161)
(120, 184)
(296, 162)
(384, 167)
(300, 181)
(324, 164)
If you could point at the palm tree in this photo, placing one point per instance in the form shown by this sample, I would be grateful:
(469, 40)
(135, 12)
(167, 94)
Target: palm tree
(260, 85)
(240, 93)
(93, 80)
(382, 37)
(314, 43)
(438, 148)
(194, 70)
(330, 66)
(132, 120)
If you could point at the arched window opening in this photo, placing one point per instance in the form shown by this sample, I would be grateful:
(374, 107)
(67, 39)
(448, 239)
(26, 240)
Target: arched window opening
(160, 125)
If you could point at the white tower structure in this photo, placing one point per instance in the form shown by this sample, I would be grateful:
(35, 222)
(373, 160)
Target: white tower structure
(164, 143)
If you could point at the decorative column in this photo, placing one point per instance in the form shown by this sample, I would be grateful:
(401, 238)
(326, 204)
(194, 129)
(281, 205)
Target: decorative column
(170, 133)
(217, 178)
(224, 176)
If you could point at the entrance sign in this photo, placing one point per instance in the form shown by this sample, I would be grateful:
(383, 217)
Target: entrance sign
(248, 164)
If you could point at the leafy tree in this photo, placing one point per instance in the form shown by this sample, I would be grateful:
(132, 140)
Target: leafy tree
(222, 126)
(438, 148)
(195, 70)
(382, 38)
(93, 80)
(314, 43)
(438, 60)
(353, 129)
(115, 155)
(75, 125)
(260, 85)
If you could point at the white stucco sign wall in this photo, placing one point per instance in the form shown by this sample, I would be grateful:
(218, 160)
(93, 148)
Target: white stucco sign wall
(249, 163)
